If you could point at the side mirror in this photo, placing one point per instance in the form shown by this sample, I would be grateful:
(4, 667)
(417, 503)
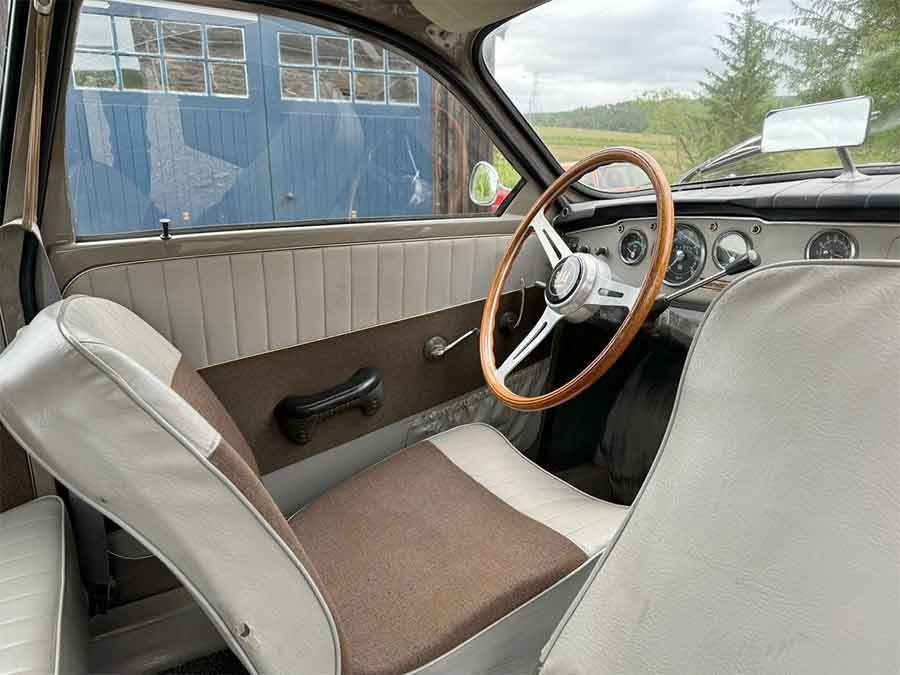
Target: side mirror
(484, 184)
(833, 124)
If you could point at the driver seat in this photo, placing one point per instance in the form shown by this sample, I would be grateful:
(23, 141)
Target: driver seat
(457, 554)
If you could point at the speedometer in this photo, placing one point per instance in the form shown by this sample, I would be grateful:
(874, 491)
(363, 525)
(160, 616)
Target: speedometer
(688, 256)
(831, 245)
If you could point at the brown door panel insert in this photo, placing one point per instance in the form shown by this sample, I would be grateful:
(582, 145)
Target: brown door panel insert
(250, 388)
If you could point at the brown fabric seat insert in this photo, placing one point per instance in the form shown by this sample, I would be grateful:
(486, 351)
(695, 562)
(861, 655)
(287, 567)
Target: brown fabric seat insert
(188, 384)
(416, 557)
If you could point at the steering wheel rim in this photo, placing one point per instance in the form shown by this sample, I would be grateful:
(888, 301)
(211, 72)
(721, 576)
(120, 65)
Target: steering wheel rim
(593, 279)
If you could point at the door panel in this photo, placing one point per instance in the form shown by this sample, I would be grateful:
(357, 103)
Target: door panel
(251, 388)
(220, 308)
(316, 188)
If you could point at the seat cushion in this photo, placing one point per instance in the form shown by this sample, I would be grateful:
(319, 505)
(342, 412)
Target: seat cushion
(43, 619)
(483, 453)
(417, 555)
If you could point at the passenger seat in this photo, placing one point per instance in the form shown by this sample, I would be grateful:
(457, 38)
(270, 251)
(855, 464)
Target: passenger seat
(43, 615)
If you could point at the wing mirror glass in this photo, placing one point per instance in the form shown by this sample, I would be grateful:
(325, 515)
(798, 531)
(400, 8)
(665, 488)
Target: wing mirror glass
(484, 184)
(833, 124)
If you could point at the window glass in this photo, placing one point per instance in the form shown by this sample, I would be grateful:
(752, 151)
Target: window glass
(398, 64)
(295, 50)
(332, 52)
(140, 73)
(334, 85)
(298, 84)
(225, 43)
(215, 119)
(404, 89)
(228, 79)
(696, 94)
(182, 39)
(368, 87)
(185, 76)
(367, 56)
(137, 36)
(94, 71)
(94, 32)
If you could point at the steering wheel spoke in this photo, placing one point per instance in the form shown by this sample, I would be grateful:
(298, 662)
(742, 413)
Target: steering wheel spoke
(529, 343)
(612, 293)
(554, 247)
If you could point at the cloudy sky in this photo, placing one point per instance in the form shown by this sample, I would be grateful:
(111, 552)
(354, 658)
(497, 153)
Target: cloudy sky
(588, 52)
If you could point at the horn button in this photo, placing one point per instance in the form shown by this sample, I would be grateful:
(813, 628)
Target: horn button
(564, 280)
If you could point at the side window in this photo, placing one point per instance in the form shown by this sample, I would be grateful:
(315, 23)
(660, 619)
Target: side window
(216, 118)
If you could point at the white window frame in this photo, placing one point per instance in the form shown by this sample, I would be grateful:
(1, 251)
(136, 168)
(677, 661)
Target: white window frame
(213, 60)
(387, 91)
(361, 69)
(308, 67)
(315, 67)
(161, 56)
(384, 100)
(99, 51)
(315, 80)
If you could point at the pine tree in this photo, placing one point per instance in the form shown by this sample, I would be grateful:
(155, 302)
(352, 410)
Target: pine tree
(839, 48)
(738, 97)
(819, 45)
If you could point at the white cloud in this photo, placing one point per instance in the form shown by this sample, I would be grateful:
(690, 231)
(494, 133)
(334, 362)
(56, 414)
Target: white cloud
(571, 53)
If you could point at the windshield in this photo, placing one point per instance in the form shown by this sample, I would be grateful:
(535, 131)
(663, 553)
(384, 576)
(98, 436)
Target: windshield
(689, 80)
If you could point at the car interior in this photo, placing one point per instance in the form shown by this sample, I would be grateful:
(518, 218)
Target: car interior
(320, 354)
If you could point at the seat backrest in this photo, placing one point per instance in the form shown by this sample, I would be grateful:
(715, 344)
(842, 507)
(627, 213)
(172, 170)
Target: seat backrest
(115, 413)
(767, 535)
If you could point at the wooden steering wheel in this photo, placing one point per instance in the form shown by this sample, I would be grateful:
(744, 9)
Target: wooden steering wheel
(579, 284)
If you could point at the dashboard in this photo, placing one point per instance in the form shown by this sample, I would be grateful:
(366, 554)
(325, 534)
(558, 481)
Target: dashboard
(703, 245)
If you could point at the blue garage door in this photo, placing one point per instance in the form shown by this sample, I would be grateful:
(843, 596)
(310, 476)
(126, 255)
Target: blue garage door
(350, 125)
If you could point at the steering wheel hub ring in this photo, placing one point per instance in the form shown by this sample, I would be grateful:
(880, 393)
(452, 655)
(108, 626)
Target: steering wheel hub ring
(565, 279)
(578, 290)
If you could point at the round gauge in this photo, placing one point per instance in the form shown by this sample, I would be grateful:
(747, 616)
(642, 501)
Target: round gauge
(831, 245)
(729, 247)
(688, 256)
(633, 247)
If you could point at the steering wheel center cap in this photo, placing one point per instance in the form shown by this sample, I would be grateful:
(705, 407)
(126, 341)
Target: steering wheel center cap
(564, 280)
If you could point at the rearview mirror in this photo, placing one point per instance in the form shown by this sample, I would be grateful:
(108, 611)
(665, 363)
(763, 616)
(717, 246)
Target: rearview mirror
(484, 184)
(833, 124)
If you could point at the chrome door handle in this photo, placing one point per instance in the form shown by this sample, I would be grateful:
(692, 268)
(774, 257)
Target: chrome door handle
(437, 346)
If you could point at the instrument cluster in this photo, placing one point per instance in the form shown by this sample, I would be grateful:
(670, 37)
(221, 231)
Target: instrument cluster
(704, 245)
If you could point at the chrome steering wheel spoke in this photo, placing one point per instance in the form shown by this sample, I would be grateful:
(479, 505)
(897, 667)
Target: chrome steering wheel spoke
(529, 343)
(612, 293)
(554, 247)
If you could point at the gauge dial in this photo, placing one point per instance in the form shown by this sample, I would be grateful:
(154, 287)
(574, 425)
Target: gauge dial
(729, 247)
(831, 245)
(633, 247)
(688, 256)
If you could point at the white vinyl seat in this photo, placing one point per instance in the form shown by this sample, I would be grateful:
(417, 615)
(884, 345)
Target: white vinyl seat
(454, 555)
(43, 614)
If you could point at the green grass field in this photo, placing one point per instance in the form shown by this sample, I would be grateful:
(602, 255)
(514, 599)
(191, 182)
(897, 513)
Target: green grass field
(570, 145)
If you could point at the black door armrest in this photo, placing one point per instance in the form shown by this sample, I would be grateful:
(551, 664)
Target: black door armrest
(297, 416)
